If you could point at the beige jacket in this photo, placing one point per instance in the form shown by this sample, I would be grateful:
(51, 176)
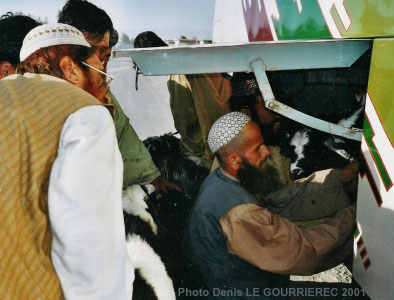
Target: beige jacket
(276, 244)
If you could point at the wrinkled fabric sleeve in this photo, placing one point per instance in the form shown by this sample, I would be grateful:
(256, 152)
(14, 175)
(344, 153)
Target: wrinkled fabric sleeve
(85, 209)
(139, 167)
(277, 245)
(185, 116)
(311, 199)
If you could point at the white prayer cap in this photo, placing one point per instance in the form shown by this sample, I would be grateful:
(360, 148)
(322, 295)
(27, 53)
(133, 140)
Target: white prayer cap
(225, 129)
(51, 34)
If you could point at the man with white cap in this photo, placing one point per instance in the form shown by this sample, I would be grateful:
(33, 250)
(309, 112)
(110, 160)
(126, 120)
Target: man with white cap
(62, 232)
(239, 247)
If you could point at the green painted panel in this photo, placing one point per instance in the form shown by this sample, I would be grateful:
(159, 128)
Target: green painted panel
(369, 134)
(369, 18)
(381, 83)
(356, 233)
(292, 25)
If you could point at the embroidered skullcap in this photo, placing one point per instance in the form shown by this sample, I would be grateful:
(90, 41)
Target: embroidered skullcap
(51, 34)
(225, 129)
(244, 84)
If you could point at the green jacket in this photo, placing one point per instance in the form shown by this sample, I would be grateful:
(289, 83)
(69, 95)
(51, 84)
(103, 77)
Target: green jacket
(138, 167)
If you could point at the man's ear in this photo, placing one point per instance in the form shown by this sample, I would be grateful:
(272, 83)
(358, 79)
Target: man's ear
(71, 71)
(6, 69)
(234, 161)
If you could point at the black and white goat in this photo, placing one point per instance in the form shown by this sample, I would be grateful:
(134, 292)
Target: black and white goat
(174, 207)
(314, 150)
(143, 248)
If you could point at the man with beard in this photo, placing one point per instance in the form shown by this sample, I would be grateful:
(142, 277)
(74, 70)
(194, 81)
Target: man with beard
(62, 233)
(98, 30)
(237, 245)
(246, 98)
(313, 194)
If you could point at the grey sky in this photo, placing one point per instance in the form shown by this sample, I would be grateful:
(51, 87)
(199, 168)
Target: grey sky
(168, 18)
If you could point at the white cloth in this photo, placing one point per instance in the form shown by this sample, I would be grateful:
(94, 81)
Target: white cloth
(85, 209)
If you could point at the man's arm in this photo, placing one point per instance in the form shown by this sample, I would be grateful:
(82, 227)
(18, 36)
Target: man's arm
(275, 244)
(139, 167)
(85, 209)
(318, 196)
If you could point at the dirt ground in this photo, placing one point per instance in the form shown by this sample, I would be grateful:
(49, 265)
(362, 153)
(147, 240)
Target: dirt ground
(336, 283)
(340, 274)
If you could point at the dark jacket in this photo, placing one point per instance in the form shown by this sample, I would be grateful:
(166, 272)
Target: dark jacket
(224, 275)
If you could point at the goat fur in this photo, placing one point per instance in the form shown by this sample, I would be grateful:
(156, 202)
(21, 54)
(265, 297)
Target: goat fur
(139, 243)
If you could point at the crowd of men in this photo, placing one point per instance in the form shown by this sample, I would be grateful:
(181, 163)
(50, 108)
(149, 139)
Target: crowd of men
(68, 150)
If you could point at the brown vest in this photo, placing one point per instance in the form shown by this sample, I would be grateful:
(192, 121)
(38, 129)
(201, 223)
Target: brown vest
(33, 109)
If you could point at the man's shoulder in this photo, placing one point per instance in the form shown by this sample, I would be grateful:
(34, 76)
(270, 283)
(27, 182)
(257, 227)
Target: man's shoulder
(34, 79)
(45, 79)
(121, 120)
(219, 193)
(218, 182)
(48, 90)
(114, 101)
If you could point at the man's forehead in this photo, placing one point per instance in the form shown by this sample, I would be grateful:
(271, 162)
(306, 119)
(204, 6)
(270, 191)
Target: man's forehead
(104, 42)
(252, 133)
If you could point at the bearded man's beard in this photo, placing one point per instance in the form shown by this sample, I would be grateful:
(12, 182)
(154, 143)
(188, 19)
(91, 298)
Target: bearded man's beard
(257, 181)
(92, 88)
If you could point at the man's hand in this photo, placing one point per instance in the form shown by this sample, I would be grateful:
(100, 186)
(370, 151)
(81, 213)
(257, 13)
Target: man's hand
(162, 184)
